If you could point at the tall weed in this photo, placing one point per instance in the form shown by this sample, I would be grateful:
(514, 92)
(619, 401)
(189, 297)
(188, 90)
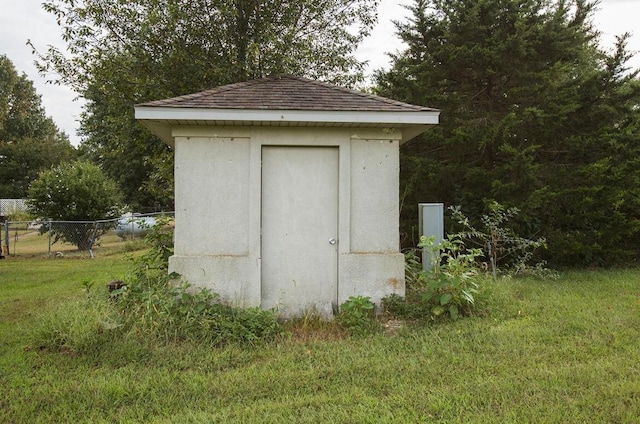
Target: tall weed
(448, 289)
(83, 326)
(150, 308)
(504, 250)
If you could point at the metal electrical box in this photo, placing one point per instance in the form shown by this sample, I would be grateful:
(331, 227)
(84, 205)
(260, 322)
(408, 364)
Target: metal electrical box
(430, 224)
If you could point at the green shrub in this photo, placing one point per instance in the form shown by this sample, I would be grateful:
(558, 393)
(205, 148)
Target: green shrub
(448, 289)
(153, 304)
(74, 191)
(150, 309)
(504, 250)
(357, 316)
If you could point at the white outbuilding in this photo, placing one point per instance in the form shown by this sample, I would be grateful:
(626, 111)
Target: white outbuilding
(286, 191)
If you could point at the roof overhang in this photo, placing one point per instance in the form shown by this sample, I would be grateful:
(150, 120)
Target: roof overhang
(161, 120)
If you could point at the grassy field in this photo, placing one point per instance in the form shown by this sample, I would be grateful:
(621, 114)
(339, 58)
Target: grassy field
(546, 352)
(27, 242)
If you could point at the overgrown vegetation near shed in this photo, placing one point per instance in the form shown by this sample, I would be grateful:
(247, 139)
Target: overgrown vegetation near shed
(546, 351)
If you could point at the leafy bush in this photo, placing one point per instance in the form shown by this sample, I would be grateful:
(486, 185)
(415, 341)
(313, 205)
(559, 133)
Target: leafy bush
(151, 308)
(448, 289)
(74, 191)
(505, 251)
(451, 287)
(357, 316)
(152, 303)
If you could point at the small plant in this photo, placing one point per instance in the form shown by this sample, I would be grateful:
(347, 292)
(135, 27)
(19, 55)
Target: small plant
(505, 250)
(412, 267)
(153, 304)
(448, 289)
(357, 316)
(450, 285)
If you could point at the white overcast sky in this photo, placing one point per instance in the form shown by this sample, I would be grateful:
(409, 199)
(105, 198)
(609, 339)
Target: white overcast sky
(21, 20)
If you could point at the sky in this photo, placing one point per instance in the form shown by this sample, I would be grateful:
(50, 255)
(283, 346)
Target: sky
(22, 20)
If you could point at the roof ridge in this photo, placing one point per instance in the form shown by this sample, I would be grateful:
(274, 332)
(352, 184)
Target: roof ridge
(347, 90)
(367, 95)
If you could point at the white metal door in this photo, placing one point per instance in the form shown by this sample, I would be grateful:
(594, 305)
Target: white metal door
(299, 228)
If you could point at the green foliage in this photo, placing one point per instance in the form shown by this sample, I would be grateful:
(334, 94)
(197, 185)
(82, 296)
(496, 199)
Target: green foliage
(357, 316)
(74, 191)
(125, 53)
(29, 140)
(505, 250)
(84, 326)
(448, 289)
(152, 308)
(164, 312)
(534, 114)
(153, 304)
(450, 286)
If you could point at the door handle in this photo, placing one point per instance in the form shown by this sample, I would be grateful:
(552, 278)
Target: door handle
(332, 241)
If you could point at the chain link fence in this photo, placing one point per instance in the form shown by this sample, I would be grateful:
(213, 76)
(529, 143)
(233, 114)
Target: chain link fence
(12, 206)
(23, 239)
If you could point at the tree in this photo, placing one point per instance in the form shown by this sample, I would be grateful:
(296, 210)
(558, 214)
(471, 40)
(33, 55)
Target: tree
(74, 191)
(535, 115)
(29, 140)
(123, 53)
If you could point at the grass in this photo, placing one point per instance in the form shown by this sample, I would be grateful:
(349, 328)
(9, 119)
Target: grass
(27, 242)
(557, 351)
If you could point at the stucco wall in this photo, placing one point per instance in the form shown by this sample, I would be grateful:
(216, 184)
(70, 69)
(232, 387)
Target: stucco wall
(212, 195)
(374, 196)
(218, 180)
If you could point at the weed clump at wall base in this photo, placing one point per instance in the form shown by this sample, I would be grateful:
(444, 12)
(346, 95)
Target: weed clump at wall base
(150, 309)
(169, 314)
(357, 316)
(459, 274)
(447, 290)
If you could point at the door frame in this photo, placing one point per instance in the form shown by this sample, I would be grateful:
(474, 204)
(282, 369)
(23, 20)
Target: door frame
(322, 298)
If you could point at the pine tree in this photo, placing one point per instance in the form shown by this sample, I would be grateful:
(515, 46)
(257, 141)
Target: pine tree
(534, 115)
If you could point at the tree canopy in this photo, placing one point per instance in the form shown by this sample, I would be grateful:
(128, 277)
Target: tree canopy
(534, 114)
(29, 140)
(124, 53)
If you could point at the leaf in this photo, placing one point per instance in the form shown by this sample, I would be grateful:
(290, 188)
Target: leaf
(453, 311)
(445, 298)
(437, 310)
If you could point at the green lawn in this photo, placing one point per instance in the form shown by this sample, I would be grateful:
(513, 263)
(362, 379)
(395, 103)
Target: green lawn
(547, 351)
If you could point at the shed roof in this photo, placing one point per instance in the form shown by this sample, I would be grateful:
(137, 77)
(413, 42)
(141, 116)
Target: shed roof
(286, 92)
(284, 100)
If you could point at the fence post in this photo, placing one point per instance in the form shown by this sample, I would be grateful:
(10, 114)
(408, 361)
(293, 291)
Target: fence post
(1, 248)
(6, 238)
(49, 232)
(93, 238)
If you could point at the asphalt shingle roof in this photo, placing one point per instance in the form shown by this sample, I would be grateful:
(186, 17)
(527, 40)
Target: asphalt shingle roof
(286, 92)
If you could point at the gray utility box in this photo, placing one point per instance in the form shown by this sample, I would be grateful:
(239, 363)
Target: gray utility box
(430, 224)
